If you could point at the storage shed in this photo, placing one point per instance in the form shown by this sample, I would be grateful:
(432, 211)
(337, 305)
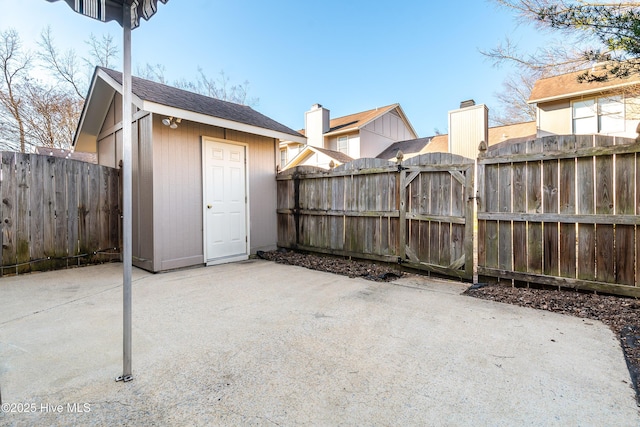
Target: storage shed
(204, 188)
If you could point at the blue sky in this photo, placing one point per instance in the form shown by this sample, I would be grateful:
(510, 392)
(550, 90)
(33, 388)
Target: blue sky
(349, 56)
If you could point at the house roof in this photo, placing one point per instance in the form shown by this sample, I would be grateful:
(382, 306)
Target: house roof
(167, 100)
(309, 150)
(567, 86)
(335, 155)
(67, 154)
(497, 134)
(438, 144)
(353, 122)
(409, 148)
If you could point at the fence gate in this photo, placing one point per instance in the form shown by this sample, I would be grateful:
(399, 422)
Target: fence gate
(414, 212)
(438, 192)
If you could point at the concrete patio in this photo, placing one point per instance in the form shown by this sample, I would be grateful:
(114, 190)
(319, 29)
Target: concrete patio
(258, 343)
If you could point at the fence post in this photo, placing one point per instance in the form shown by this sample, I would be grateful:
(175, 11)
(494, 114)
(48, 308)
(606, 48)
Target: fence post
(402, 218)
(296, 205)
(478, 194)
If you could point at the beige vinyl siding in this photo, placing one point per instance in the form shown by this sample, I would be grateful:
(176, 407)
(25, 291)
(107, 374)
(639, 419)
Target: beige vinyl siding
(262, 189)
(106, 147)
(167, 223)
(554, 118)
(143, 193)
(332, 141)
(109, 150)
(177, 157)
(390, 126)
(177, 163)
(376, 136)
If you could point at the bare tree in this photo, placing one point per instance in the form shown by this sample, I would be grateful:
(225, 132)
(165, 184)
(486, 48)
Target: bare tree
(65, 66)
(50, 115)
(102, 52)
(34, 112)
(219, 88)
(152, 72)
(14, 65)
(513, 99)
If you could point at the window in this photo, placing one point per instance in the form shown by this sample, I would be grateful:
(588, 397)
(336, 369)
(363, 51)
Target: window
(283, 157)
(343, 144)
(598, 115)
(611, 114)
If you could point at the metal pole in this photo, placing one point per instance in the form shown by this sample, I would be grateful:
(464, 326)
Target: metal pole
(126, 193)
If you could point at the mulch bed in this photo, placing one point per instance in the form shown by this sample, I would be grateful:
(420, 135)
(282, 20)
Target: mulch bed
(622, 315)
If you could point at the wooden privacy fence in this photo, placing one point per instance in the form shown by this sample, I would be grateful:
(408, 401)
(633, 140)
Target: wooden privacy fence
(562, 211)
(56, 212)
(413, 212)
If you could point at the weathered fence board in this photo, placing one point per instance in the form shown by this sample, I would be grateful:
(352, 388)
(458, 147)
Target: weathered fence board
(559, 210)
(371, 208)
(578, 215)
(9, 182)
(37, 192)
(23, 163)
(54, 211)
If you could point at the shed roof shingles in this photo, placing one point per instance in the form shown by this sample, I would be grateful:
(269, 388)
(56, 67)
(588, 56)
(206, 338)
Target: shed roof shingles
(197, 103)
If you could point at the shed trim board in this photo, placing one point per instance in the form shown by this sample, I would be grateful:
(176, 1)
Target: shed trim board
(215, 121)
(230, 254)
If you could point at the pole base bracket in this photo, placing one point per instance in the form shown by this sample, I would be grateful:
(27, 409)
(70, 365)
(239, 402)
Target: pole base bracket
(124, 378)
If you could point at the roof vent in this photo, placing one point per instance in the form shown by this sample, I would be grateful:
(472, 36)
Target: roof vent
(467, 103)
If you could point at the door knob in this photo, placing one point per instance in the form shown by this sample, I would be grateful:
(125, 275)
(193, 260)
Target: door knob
(209, 206)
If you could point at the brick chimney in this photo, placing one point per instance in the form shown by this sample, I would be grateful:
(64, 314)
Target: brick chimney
(316, 124)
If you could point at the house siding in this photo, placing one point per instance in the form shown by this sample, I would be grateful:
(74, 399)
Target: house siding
(177, 157)
(555, 118)
(109, 149)
(143, 194)
(376, 136)
(332, 144)
(262, 195)
(177, 164)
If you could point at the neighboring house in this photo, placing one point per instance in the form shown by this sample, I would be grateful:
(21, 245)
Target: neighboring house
(321, 157)
(67, 154)
(565, 106)
(204, 188)
(359, 135)
(409, 148)
(468, 127)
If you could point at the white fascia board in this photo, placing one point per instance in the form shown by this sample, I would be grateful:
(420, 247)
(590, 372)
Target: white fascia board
(342, 131)
(303, 155)
(216, 121)
(406, 120)
(582, 93)
(83, 114)
(118, 87)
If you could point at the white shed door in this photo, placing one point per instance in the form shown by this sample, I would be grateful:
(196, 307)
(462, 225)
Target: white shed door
(225, 203)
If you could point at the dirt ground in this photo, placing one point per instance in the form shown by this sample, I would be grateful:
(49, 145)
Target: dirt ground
(622, 315)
